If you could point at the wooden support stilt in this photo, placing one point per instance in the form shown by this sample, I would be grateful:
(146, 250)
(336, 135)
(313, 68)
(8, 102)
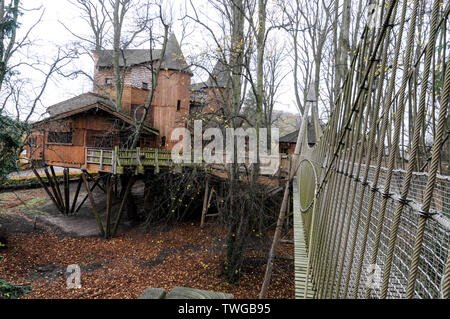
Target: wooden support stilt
(91, 198)
(109, 196)
(211, 192)
(58, 189)
(66, 191)
(122, 205)
(49, 193)
(86, 197)
(276, 239)
(77, 192)
(205, 204)
(93, 179)
(53, 187)
(116, 192)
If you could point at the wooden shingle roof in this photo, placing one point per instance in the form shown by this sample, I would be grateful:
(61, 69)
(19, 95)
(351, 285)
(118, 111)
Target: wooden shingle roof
(173, 58)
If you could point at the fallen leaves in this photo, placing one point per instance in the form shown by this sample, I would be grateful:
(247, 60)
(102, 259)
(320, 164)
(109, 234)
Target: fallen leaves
(120, 269)
(125, 266)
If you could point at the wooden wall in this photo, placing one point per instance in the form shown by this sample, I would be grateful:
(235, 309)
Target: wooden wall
(80, 125)
(173, 86)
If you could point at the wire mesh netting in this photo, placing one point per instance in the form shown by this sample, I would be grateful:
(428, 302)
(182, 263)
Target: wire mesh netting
(378, 225)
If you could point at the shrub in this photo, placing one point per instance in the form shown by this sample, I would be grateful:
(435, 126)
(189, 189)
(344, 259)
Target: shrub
(10, 291)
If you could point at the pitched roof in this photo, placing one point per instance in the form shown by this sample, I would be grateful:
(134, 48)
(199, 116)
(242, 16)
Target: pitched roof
(197, 86)
(78, 102)
(84, 103)
(289, 138)
(173, 57)
(292, 137)
(219, 76)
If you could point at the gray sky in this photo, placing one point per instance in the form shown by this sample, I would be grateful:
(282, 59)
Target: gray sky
(50, 34)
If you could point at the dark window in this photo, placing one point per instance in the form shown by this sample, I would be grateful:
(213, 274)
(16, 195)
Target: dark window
(32, 141)
(178, 105)
(145, 85)
(99, 140)
(108, 81)
(60, 137)
(103, 141)
(163, 141)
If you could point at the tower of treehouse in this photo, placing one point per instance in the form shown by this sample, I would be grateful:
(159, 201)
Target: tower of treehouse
(213, 95)
(170, 104)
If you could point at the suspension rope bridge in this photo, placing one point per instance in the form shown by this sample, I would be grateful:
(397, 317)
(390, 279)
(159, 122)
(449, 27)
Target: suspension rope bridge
(371, 198)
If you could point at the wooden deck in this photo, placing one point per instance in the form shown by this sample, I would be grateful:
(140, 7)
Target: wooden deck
(300, 250)
(114, 161)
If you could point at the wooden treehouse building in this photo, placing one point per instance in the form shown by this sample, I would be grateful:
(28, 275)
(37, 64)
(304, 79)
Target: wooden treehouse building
(88, 132)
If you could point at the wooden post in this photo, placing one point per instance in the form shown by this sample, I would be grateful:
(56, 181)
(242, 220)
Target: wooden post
(101, 159)
(91, 198)
(205, 204)
(66, 191)
(77, 192)
(122, 205)
(156, 161)
(116, 192)
(87, 195)
(109, 190)
(276, 239)
(46, 188)
(52, 185)
(212, 191)
(93, 179)
(55, 179)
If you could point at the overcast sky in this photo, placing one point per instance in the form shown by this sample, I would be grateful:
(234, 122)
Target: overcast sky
(49, 34)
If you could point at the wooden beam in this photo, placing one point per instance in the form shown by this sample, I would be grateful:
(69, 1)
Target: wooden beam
(53, 187)
(49, 193)
(86, 196)
(91, 198)
(55, 179)
(77, 192)
(276, 239)
(109, 196)
(66, 191)
(205, 203)
(93, 179)
(122, 205)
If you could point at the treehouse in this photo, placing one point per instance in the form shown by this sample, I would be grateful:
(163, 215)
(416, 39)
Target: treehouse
(92, 132)
(81, 128)
(82, 132)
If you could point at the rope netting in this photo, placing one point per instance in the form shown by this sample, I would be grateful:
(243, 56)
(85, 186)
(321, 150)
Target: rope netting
(378, 223)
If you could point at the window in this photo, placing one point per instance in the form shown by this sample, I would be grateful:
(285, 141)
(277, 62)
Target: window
(99, 139)
(103, 141)
(163, 141)
(59, 137)
(108, 81)
(32, 141)
(145, 85)
(178, 105)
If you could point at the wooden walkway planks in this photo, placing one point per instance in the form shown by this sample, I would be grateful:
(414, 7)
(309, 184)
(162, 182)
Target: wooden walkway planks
(300, 249)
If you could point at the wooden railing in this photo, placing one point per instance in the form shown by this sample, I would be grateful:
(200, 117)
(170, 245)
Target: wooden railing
(101, 157)
(116, 159)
